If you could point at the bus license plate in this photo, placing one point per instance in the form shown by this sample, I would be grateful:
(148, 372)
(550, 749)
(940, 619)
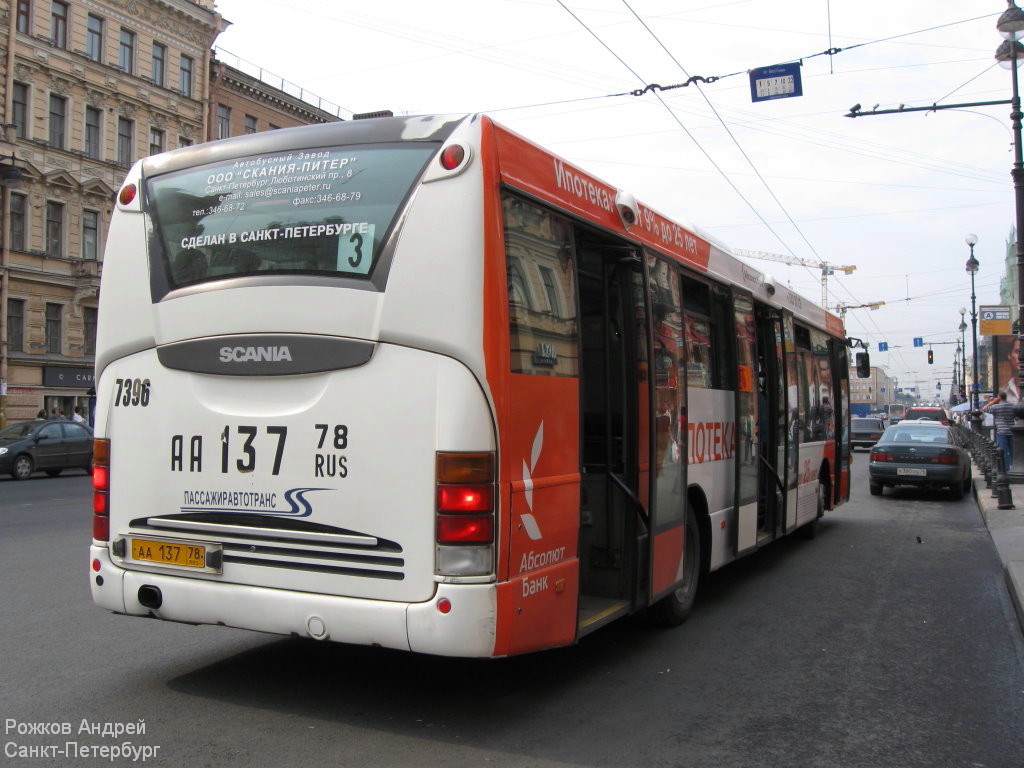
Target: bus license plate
(912, 471)
(182, 554)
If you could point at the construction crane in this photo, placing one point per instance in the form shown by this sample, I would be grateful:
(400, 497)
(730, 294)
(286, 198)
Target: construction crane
(826, 269)
(841, 308)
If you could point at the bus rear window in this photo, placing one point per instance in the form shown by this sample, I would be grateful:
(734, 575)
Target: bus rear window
(322, 211)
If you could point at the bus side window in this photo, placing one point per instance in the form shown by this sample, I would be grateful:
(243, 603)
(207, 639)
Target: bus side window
(543, 330)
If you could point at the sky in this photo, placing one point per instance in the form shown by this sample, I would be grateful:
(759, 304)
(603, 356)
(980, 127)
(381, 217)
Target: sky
(893, 195)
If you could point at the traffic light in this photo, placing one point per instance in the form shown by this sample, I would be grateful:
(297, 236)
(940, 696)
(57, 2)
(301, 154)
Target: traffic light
(931, 357)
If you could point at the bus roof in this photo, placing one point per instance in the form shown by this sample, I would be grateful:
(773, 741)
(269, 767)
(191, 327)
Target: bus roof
(531, 168)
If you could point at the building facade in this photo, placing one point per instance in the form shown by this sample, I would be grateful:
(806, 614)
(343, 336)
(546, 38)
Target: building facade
(873, 394)
(89, 87)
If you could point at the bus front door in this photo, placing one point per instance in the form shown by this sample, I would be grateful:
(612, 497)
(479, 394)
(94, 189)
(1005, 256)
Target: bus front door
(612, 393)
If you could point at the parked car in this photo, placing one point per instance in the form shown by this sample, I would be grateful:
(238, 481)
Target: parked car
(925, 454)
(865, 432)
(934, 413)
(47, 446)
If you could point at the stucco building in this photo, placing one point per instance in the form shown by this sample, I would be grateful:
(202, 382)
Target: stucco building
(89, 87)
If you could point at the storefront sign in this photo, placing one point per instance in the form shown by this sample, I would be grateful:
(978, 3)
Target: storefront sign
(77, 378)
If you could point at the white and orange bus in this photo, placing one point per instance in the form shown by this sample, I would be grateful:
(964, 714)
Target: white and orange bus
(416, 382)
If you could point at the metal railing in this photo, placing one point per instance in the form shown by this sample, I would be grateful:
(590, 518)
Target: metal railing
(990, 460)
(259, 73)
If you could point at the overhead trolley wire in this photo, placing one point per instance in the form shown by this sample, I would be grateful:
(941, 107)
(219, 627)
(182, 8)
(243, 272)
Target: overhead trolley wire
(678, 122)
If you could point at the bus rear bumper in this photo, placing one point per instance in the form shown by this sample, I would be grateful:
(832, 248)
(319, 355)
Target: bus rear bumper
(466, 629)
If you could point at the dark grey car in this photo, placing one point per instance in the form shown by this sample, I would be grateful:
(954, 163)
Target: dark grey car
(46, 446)
(865, 432)
(924, 454)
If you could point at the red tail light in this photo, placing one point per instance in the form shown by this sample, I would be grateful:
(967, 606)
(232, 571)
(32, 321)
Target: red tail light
(127, 194)
(946, 457)
(452, 157)
(101, 489)
(465, 498)
(881, 456)
(465, 529)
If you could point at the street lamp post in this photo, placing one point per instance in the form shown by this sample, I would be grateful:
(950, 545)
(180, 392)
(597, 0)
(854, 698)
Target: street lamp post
(972, 268)
(1011, 27)
(963, 352)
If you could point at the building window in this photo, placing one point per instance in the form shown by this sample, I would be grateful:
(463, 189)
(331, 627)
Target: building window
(17, 222)
(551, 290)
(159, 64)
(90, 235)
(125, 139)
(59, 23)
(183, 142)
(223, 121)
(156, 141)
(20, 110)
(250, 124)
(15, 325)
(273, 127)
(53, 329)
(185, 76)
(126, 51)
(58, 111)
(90, 315)
(94, 38)
(93, 116)
(54, 229)
(24, 11)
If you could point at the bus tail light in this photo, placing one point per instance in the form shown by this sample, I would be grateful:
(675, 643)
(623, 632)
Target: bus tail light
(452, 156)
(101, 489)
(465, 506)
(127, 194)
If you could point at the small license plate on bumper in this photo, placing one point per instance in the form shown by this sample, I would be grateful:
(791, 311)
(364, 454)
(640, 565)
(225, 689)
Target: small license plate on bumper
(175, 553)
(911, 471)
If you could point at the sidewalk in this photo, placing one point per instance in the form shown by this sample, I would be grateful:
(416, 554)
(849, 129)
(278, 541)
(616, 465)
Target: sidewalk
(1006, 527)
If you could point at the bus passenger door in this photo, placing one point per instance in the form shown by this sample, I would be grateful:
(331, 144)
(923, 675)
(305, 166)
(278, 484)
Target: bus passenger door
(668, 460)
(771, 426)
(615, 442)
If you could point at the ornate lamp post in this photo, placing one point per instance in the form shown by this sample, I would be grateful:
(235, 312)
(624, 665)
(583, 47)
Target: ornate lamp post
(1009, 54)
(963, 353)
(972, 269)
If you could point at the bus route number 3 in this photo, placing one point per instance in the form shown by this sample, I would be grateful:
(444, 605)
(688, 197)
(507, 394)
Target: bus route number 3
(131, 392)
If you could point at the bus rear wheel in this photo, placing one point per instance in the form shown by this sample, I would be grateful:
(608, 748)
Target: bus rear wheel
(672, 610)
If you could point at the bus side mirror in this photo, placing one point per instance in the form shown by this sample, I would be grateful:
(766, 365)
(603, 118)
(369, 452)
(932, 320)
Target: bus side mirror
(863, 365)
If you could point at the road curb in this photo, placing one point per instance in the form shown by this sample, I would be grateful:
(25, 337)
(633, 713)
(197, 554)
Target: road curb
(1015, 583)
(1006, 528)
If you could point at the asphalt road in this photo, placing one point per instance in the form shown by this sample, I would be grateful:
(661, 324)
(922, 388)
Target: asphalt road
(886, 642)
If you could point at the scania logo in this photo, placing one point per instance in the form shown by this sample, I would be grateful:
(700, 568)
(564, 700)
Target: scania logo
(255, 354)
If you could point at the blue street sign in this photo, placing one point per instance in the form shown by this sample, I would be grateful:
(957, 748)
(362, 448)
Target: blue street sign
(883, 346)
(918, 341)
(781, 81)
